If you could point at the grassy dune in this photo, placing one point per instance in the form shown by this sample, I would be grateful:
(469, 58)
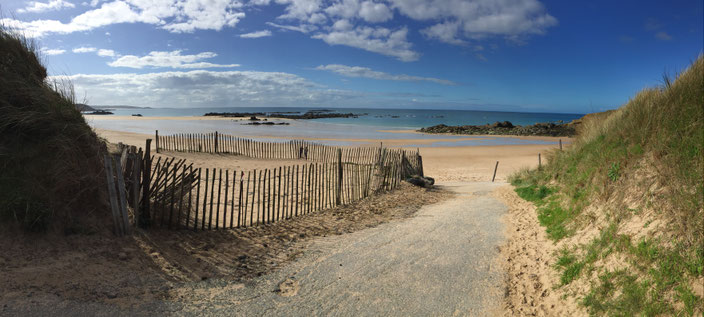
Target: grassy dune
(624, 203)
(50, 159)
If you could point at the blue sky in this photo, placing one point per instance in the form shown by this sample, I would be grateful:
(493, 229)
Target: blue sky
(503, 55)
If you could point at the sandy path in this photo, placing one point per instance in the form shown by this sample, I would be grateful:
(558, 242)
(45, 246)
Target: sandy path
(441, 262)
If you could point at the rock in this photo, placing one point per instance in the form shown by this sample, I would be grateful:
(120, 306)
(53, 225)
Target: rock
(122, 256)
(242, 257)
(420, 181)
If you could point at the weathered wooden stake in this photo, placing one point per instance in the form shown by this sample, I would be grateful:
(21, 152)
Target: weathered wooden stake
(495, 168)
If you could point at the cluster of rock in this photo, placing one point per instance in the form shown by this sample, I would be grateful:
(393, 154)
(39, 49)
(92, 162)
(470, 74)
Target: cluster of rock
(234, 114)
(507, 128)
(267, 123)
(313, 114)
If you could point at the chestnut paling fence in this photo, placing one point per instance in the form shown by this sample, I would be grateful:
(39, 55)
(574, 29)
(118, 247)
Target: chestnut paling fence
(294, 149)
(172, 193)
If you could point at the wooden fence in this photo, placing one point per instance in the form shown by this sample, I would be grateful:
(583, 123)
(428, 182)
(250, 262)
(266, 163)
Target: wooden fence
(124, 180)
(295, 149)
(183, 196)
(172, 193)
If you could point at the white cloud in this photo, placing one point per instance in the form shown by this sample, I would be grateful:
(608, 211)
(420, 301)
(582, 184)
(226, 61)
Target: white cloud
(53, 51)
(106, 53)
(303, 28)
(201, 88)
(357, 71)
(375, 12)
(84, 49)
(369, 11)
(300, 9)
(445, 32)
(457, 22)
(477, 19)
(172, 15)
(205, 15)
(257, 34)
(38, 7)
(378, 40)
(663, 36)
(172, 59)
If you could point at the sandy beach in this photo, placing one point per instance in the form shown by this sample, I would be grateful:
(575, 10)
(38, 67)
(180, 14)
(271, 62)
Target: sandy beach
(445, 163)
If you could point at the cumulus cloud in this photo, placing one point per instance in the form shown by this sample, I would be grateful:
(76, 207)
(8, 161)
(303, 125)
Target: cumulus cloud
(378, 40)
(53, 51)
(257, 34)
(172, 59)
(375, 12)
(445, 32)
(84, 49)
(173, 15)
(38, 7)
(457, 22)
(477, 19)
(357, 71)
(202, 88)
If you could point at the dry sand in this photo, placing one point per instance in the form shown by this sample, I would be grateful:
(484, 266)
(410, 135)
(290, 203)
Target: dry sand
(528, 257)
(461, 163)
(37, 272)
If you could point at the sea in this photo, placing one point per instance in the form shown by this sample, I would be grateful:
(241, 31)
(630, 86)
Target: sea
(370, 124)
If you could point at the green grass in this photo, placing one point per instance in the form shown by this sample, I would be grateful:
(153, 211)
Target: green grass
(660, 129)
(555, 220)
(533, 193)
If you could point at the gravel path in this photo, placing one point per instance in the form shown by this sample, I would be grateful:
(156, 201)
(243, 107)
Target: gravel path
(441, 262)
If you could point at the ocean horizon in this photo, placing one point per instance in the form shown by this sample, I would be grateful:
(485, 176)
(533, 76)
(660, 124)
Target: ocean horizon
(387, 118)
(372, 125)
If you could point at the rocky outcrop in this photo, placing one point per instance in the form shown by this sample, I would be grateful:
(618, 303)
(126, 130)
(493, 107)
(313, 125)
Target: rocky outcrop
(506, 128)
(313, 114)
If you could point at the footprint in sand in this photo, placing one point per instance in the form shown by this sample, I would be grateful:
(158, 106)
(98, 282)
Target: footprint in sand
(289, 287)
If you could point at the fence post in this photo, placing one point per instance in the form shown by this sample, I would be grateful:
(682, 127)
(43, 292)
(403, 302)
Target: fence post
(495, 168)
(560, 144)
(156, 137)
(339, 178)
(216, 141)
(539, 162)
(146, 182)
(114, 204)
(420, 165)
(136, 169)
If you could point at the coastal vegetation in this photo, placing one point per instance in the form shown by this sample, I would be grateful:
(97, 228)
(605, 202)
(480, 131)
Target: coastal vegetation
(624, 203)
(49, 157)
(507, 128)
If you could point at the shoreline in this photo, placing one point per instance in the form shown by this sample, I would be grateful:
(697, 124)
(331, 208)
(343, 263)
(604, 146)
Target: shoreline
(390, 141)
